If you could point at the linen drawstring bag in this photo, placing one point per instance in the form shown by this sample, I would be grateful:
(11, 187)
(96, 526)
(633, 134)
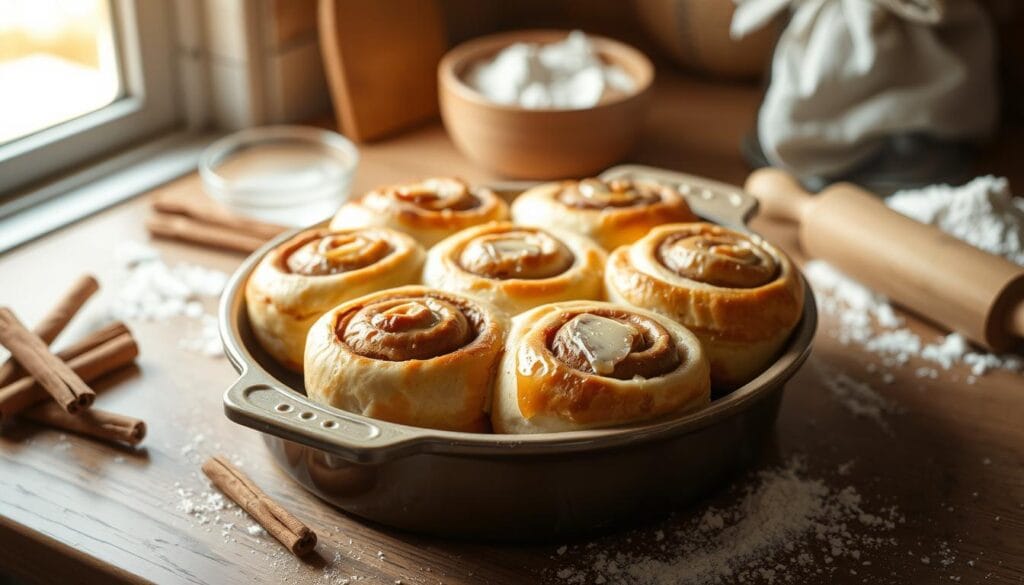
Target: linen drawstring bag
(847, 75)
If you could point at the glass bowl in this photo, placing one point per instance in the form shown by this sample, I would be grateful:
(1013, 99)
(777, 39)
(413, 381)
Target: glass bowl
(289, 175)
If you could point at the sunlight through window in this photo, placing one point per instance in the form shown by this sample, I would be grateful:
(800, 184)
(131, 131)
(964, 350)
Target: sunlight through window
(58, 61)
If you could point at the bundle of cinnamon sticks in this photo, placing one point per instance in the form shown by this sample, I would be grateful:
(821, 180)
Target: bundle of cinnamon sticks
(53, 388)
(196, 219)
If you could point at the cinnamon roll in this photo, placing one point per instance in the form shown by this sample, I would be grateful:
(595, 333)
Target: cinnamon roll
(739, 294)
(588, 364)
(612, 213)
(429, 210)
(316, 270)
(410, 355)
(516, 268)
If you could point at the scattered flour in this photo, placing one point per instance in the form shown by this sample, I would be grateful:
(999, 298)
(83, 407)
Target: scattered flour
(204, 506)
(191, 449)
(856, 396)
(786, 526)
(982, 213)
(154, 291)
(208, 507)
(335, 573)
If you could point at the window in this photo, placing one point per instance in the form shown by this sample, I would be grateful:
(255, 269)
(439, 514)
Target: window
(80, 79)
(57, 62)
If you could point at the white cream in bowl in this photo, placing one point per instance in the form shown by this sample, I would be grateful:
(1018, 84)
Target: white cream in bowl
(566, 75)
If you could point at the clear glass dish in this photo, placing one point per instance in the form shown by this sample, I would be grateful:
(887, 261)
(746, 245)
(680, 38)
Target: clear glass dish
(289, 175)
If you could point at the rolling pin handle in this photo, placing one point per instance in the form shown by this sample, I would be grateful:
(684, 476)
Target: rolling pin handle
(780, 195)
(1017, 320)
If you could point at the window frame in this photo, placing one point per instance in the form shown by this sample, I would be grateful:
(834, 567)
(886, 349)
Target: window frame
(148, 104)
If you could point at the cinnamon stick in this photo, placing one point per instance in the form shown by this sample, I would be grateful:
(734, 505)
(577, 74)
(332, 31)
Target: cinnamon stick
(64, 385)
(55, 321)
(178, 227)
(111, 330)
(281, 524)
(107, 426)
(206, 211)
(91, 358)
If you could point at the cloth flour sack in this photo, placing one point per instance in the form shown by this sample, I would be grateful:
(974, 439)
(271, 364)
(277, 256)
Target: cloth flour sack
(848, 73)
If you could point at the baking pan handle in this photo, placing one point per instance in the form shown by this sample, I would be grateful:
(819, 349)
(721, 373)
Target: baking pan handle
(721, 203)
(287, 414)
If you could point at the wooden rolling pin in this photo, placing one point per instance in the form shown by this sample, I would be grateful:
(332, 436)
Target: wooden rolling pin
(919, 266)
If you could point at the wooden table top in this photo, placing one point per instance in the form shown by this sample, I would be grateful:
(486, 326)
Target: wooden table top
(950, 455)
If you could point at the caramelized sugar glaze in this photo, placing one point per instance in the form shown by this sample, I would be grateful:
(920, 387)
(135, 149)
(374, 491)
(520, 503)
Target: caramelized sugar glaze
(600, 194)
(317, 269)
(515, 267)
(588, 364)
(739, 294)
(418, 328)
(516, 253)
(614, 343)
(322, 252)
(429, 210)
(410, 355)
(612, 213)
(718, 257)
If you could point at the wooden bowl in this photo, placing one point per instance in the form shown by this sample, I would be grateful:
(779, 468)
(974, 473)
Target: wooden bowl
(543, 143)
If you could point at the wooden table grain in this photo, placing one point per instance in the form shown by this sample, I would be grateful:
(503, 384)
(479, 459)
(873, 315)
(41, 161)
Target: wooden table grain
(949, 455)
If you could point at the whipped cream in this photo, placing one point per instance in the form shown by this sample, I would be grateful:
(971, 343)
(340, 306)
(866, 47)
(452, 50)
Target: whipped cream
(565, 75)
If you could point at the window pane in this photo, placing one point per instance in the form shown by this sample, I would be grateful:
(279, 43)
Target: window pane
(57, 61)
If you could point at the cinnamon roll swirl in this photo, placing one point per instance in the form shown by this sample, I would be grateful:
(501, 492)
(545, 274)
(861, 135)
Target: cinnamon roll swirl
(429, 210)
(587, 364)
(410, 355)
(516, 268)
(739, 294)
(612, 213)
(316, 270)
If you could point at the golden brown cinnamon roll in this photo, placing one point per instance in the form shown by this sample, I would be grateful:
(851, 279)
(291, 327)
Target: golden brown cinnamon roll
(588, 364)
(516, 268)
(612, 213)
(429, 210)
(739, 294)
(410, 355)
(316, 270)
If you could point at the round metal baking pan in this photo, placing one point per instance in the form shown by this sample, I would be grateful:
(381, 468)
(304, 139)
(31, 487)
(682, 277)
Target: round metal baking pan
(507, 487)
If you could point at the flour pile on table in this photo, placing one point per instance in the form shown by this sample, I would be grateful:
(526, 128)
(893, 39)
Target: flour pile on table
(982, 213)
(784, 527)
(155, 291)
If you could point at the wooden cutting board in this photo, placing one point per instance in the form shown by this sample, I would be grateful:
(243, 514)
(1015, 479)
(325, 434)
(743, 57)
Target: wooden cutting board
(381, 63)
